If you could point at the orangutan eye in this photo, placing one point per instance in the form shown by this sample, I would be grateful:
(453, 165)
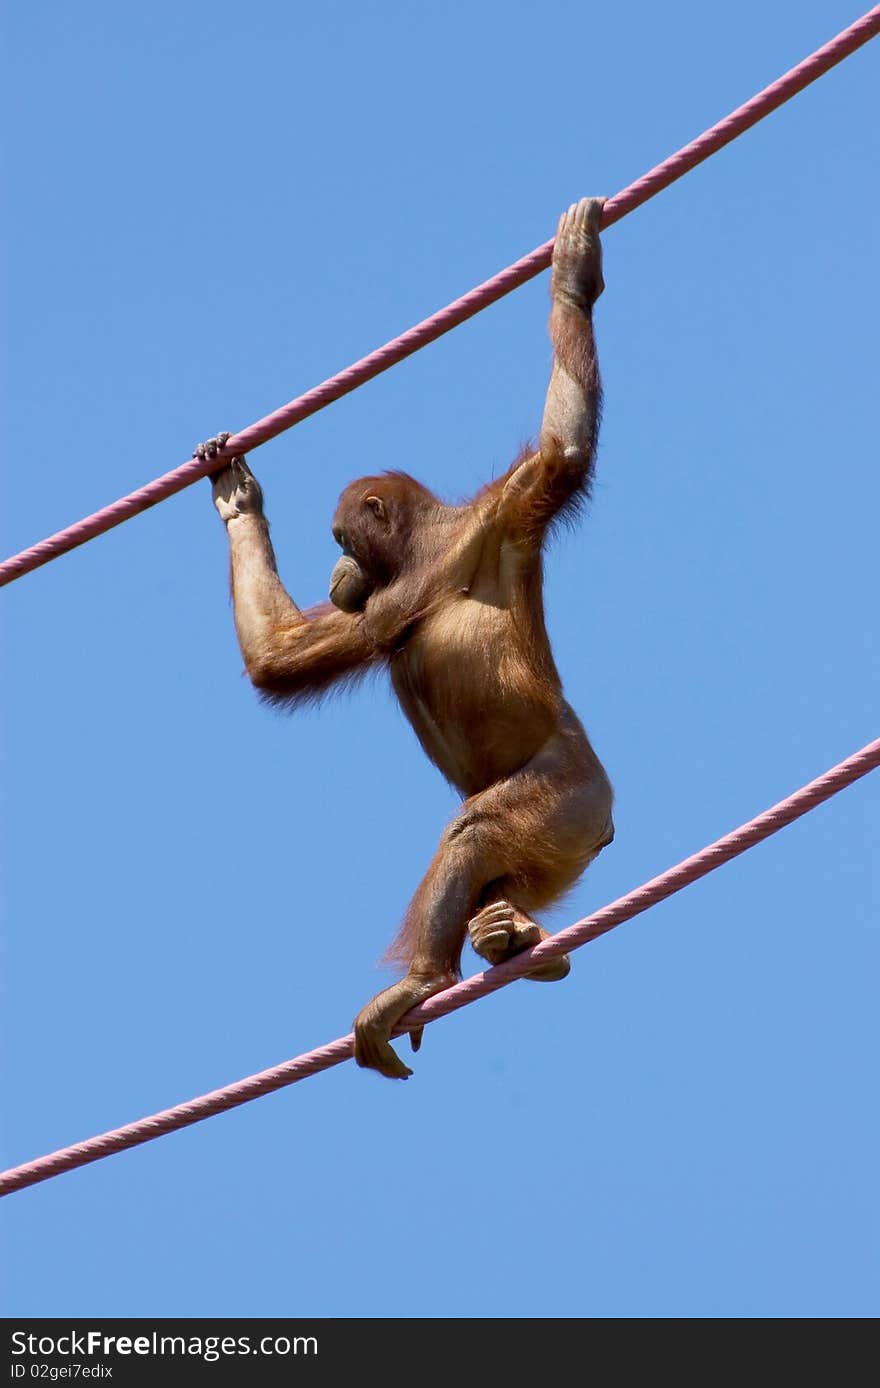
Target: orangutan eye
(339, 537)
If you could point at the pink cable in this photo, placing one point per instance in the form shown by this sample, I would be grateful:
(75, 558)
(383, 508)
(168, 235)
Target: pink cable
(590, 928)
(439, 323)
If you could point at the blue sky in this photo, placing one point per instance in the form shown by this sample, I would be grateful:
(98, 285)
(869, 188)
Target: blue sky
(213, 207)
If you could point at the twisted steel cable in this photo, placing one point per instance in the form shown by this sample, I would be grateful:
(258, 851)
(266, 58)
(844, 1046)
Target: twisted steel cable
(581, 933)
(687, 158)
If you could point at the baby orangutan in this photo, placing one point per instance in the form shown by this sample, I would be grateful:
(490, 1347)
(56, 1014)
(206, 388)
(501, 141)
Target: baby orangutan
(450, 599)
